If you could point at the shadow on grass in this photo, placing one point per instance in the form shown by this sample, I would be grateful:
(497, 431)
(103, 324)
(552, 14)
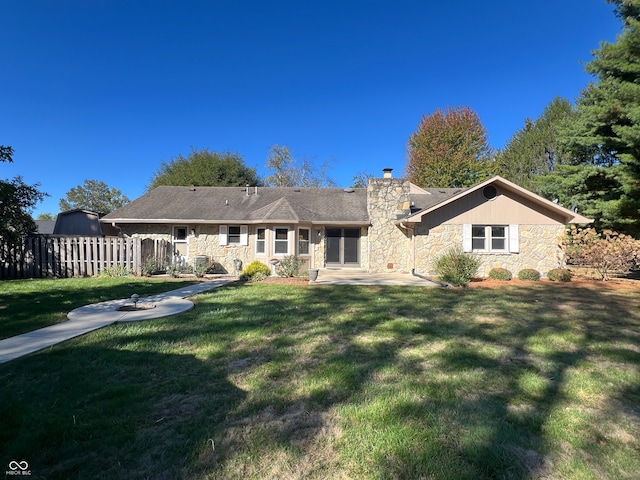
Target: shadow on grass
(492, 390)
(95, 412)
(365, 382)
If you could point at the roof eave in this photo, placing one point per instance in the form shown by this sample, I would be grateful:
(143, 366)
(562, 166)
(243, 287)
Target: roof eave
(201, 221)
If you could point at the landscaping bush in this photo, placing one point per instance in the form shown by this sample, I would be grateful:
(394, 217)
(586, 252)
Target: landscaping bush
(606, 251)
(500, 274)
(559, 275)
(456, 267)
(255, 271)
(290, 266)
(154, 266)
(117, 271)
(529, 274)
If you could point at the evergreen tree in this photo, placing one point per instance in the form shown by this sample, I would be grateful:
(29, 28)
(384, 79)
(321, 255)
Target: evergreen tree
(95, 196)
(535, 149)
(609, 111)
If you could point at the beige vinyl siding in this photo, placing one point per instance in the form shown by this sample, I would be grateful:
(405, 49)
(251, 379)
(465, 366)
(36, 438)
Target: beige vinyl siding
(505, 209)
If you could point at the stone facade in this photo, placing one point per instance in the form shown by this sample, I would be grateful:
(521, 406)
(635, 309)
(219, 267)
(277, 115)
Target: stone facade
(206, 242)
(539, 249)
(389, 245)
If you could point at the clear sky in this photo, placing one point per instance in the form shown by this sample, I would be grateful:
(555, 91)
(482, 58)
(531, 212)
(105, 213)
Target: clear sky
(109, 89)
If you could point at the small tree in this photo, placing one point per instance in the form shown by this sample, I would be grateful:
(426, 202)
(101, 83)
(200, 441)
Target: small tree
(605, 252)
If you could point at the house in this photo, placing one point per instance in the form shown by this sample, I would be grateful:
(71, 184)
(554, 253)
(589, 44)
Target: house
(392, 225)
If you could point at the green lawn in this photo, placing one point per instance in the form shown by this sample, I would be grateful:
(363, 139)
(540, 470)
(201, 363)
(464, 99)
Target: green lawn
(27, 305)
(273, 381)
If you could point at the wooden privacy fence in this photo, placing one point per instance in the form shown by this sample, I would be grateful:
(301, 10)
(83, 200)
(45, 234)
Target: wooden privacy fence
(70, 257)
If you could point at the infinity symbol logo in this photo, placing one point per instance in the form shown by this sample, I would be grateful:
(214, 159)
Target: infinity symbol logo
(23, 465)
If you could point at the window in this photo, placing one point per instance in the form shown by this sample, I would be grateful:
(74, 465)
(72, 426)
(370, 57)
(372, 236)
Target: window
(261, 240)
(303, 241)
(180, 234)
(478, 237)
(281, 241)
(490, 238)
(234, 235)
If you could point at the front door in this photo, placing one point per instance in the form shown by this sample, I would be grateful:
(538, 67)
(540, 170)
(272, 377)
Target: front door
(343, 247)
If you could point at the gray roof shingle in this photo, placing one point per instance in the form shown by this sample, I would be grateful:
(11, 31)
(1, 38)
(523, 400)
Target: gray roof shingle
(239, 204)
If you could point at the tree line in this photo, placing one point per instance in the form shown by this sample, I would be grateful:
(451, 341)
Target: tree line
(585, 156)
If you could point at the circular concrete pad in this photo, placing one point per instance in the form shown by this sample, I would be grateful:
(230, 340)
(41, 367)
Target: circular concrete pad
(108, 311)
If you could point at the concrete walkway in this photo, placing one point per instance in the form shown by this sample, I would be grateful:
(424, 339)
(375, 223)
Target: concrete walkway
(347, 276)
(92, 317)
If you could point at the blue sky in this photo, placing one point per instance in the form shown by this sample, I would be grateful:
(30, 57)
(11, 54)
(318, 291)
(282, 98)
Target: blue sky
(110, 89)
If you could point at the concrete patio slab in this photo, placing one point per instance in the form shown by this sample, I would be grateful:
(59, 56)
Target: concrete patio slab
(348, 276)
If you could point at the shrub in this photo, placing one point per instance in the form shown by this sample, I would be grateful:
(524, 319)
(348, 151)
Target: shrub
(255, 271)
(116, 271)
(456, 267)
(500, 274)
(154, 266)
(290, 266)
(559, 275)
(199, 269)
(529, 274)
(607, 252)
(258, 277)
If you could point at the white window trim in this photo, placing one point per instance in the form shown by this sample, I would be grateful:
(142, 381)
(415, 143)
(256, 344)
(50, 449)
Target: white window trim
(263, 240)
(275, 241)
(224, 235)
(512, 239)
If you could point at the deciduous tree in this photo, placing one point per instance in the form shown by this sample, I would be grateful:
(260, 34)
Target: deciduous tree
(207, 169)
(606, 252)
(17, 199)
(95, 196)
(286, 171)
(449, 149)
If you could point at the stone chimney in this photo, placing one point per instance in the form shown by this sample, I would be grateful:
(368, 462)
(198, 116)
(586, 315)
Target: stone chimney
(388, 201)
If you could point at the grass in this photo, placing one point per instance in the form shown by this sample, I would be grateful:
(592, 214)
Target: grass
(271, 381)
(26, 305)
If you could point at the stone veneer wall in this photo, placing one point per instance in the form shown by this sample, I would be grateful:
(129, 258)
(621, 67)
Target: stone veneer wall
(389, 246)
(539, 249)
(204, 242)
